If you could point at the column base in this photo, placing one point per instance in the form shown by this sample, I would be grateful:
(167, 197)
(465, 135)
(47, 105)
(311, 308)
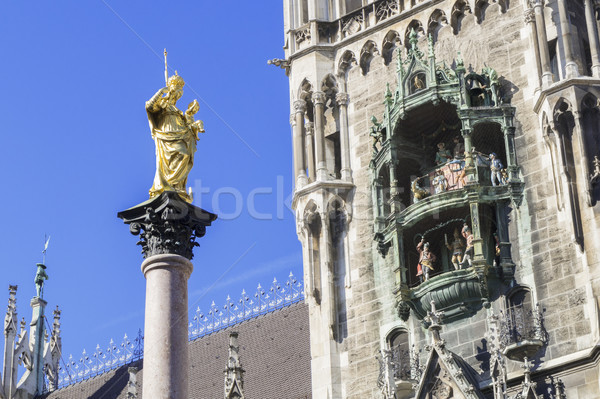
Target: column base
(322, 175)
(302, 180)
(347, 175)
(572, 70)
(596, 71)
(547, 79)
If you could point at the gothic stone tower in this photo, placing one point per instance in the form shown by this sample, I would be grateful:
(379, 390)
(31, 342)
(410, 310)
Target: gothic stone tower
(396, 109)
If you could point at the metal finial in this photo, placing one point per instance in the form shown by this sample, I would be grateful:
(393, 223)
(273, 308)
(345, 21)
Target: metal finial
(46, 243)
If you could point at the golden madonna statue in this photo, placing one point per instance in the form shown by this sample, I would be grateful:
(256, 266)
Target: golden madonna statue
(175, 134)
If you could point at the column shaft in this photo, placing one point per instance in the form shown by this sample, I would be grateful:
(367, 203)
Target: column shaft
(166, 327)
(298, 143)
(310, 150)
(542, 39)
(530, 22)
(342, 101)
(319, 102)
(470, 168)
(393, 188)
(571, 69)
(592, 32)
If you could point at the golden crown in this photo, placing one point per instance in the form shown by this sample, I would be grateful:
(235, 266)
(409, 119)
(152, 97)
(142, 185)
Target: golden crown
(176, 81)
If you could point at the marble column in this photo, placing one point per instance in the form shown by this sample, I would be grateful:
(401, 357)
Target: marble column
(530, 22)
(310, 150)
(319, 102)
(298, 143)
(342, 101)
(542, 39)
(166, 323)
(592, 31)
(571, 69)
(168, 227)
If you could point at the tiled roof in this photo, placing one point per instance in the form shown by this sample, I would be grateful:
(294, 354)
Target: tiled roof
(274, 351)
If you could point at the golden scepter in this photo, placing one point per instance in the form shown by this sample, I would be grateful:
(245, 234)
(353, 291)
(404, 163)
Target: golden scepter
(166, 72)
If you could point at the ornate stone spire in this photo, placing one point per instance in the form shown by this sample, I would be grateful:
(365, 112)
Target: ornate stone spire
(434, 318)
(10, 321)
(234, 373)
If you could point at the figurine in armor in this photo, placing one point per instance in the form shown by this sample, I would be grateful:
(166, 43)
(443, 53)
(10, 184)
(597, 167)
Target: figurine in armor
(496, 169)
(442, 155)
(426, 260)
(457, 247)
(468, 235)
(40, 277)
(440, 183)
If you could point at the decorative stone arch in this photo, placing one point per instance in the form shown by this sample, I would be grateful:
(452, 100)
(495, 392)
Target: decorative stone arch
(590, 107)
(552, 144)
(590, 132)
(391, 41)
(329, 86)
(367, 53)
(480, 9)
(346, 62)
(437, 20)
(312, 223)
(519, 295)
(418, 28)
(460, 10)
(487, 137)
(398, 342)
(564, 124)
(305, 90)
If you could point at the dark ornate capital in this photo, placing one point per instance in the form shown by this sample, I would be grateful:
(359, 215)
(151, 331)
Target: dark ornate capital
(167, 225)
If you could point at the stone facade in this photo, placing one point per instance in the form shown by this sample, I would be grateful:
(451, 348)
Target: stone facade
(341, 57)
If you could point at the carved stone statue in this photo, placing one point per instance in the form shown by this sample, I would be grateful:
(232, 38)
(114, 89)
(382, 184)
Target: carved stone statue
(496, 169)
(468, 235)
(175, 134)
(443, 154)
(440, 183)
(426, 260)
(40, 276)
(457, 247)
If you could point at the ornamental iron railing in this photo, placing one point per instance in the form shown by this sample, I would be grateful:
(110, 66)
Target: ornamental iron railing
(401, 363)
(521, 323)
(102, 360)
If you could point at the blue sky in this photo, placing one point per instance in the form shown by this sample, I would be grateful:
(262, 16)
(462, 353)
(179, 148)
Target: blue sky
(77, 149)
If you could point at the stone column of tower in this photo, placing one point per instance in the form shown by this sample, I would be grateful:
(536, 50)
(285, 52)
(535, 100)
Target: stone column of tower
(36, 343)
(168, 227)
